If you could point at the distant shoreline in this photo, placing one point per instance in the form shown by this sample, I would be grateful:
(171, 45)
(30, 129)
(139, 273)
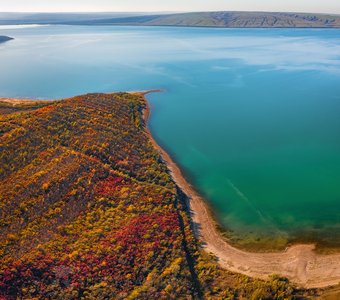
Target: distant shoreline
(205, 19)
(167, 26)
(200, 27)
(299, 263)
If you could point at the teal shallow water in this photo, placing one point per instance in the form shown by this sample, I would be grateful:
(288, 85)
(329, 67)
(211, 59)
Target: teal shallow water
(251, 115)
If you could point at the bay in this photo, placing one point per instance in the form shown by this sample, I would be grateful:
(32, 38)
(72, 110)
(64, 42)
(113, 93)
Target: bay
(251, 115)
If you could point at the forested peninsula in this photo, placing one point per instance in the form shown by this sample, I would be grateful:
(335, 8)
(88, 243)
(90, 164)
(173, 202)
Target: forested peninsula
(89, 209)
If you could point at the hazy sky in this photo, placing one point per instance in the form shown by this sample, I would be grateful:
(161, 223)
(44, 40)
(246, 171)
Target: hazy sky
(330, 6)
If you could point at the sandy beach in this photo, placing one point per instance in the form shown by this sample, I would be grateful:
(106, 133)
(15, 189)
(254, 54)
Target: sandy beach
(299, 263)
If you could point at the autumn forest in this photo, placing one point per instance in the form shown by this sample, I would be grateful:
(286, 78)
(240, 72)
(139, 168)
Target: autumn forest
(88, 209)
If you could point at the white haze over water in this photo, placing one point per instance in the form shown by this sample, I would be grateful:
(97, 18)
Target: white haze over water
(258, 108)
(148, 49)
(6, 27)
(283, 52)
(278, 52)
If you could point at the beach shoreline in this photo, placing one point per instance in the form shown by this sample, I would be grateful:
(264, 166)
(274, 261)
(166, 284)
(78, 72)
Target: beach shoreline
(299, 263)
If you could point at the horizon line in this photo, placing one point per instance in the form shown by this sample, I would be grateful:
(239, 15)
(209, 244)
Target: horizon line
(165, 12)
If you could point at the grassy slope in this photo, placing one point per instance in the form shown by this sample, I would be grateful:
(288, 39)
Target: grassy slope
(228, 19)
(261, 20)
(88, 209)
(9, 106)
(212, 19)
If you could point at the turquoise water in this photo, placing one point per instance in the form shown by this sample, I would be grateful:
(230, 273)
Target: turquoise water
(251, 115)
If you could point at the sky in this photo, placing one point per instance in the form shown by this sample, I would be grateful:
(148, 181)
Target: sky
(324, 6)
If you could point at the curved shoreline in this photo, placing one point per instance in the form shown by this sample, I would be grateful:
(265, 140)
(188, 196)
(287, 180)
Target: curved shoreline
(299, 263)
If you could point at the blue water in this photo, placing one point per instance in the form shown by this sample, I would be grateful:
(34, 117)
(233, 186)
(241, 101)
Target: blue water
(251, 115)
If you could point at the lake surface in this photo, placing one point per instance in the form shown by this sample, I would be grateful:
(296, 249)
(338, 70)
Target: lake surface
(251, 115)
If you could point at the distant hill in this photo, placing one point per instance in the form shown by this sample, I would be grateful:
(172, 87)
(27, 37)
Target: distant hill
(199, 19)
(230, 19)
(5, 38)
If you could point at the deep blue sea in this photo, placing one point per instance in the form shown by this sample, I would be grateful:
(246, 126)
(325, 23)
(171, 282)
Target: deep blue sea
(251, 115)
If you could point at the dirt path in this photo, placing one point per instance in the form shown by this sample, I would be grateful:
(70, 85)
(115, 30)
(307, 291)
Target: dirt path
(299, 263)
